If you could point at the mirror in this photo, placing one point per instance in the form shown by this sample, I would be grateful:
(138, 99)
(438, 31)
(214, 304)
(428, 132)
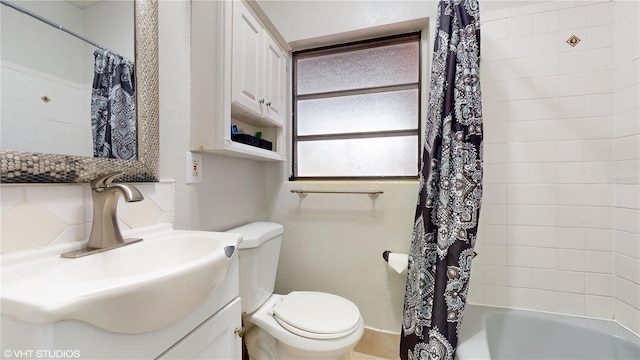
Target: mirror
(39, 167)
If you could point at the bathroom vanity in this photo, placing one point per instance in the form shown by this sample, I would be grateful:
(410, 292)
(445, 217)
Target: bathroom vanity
(161, 318)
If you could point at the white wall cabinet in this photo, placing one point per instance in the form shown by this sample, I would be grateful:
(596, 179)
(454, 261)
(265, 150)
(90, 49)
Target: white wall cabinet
(238, 78)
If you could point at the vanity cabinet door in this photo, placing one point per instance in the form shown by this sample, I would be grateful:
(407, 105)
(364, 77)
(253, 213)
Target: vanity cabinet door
(273, 80)
(213, 339)
(246, 60)
(258, 70)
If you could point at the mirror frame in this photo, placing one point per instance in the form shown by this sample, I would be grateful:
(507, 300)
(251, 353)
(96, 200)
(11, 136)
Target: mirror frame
(27, 167)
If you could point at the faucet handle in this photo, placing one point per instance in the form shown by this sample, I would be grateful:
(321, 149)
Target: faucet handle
(103, 181)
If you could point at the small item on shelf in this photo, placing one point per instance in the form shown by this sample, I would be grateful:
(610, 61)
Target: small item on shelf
(238, 135)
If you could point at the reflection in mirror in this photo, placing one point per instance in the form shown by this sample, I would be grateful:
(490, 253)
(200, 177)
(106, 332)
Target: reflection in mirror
(60, 84)
(31, 165)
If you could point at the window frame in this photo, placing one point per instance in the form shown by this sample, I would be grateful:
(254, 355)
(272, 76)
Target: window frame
(415, 36)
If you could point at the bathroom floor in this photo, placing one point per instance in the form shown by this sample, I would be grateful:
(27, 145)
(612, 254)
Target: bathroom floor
(363, 356)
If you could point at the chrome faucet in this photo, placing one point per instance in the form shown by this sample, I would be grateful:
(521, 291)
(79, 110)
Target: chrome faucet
(105, 232)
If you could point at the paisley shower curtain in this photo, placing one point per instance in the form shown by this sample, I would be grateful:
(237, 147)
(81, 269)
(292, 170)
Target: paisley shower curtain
(113, 107)
(446, 218)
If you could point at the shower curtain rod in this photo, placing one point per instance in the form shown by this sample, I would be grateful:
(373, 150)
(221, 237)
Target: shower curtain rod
(48, 22)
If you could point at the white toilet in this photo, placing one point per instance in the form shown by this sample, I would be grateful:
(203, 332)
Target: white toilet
(300, 325)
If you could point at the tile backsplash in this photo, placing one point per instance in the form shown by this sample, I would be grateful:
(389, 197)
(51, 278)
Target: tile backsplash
(36, 215)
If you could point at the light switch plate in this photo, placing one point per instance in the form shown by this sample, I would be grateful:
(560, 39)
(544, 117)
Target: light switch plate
(193, 168)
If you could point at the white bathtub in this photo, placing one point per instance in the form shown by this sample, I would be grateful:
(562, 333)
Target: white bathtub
(508, 334)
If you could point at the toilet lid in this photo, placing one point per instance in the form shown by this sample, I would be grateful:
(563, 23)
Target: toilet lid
(317, 315)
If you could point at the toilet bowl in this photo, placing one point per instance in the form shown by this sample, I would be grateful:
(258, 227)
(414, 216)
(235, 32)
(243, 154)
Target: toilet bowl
(298, 325)
(327, 330)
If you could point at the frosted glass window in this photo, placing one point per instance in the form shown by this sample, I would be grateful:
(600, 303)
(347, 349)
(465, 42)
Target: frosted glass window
(373, 67)
(372, 157)
(397, 110)
(356, 110)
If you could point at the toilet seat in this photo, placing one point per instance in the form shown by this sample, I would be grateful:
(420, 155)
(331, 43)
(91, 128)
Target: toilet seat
(317, 315)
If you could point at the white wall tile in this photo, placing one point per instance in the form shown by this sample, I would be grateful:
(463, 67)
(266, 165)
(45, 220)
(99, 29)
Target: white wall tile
(545, 279)
(600, 105)
(600, 14)
(627, 196)
(519, 297)
(495, 254)
(519, 235)
(598, 172)
(571, 173)
(545, 22)
(545, 109)
(598, 239)
(544, 300)
(598, 306)
(495, 295)
(570, 238)
(627, 172)
(573, 62)
(544, 236)
(598, 127)
(571, 281)
(570, 129)
(598, 217)
(627, 315)
(495, 275)
(573, 18)
(626, 124)
(545, 65)
(598, 262)
(495, 235)
(543, 194)
(627, 220)
(627, 292)
(627, 268)
(598, 194)
(544, 258)
(570, 216)
(598, 284)
(600, 59)
(570, 194)
(518, 276)
(569, 303)
(519, 26)
(571, 107)
(600, 36)
(627, 148)
(570, 259)
(598, 150)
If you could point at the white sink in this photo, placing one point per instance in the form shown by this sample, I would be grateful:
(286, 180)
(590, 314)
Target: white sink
(132, 289)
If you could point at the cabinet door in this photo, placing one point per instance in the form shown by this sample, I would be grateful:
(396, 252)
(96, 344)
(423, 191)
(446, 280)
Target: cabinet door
(213, 339)
(246, 60)
(273, 77)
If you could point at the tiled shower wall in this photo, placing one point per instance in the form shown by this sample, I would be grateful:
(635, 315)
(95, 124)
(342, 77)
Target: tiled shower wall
(41, 214)
(626, 164)
(559, 223)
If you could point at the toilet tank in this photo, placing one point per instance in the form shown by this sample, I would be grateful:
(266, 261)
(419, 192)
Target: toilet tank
(258, 256)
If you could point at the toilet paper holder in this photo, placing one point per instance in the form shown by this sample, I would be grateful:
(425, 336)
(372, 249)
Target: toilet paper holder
(385, 255)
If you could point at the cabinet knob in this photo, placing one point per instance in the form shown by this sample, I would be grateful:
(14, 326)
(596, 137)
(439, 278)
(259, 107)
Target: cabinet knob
(261, 101)
(268, 103)
(239, 331)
